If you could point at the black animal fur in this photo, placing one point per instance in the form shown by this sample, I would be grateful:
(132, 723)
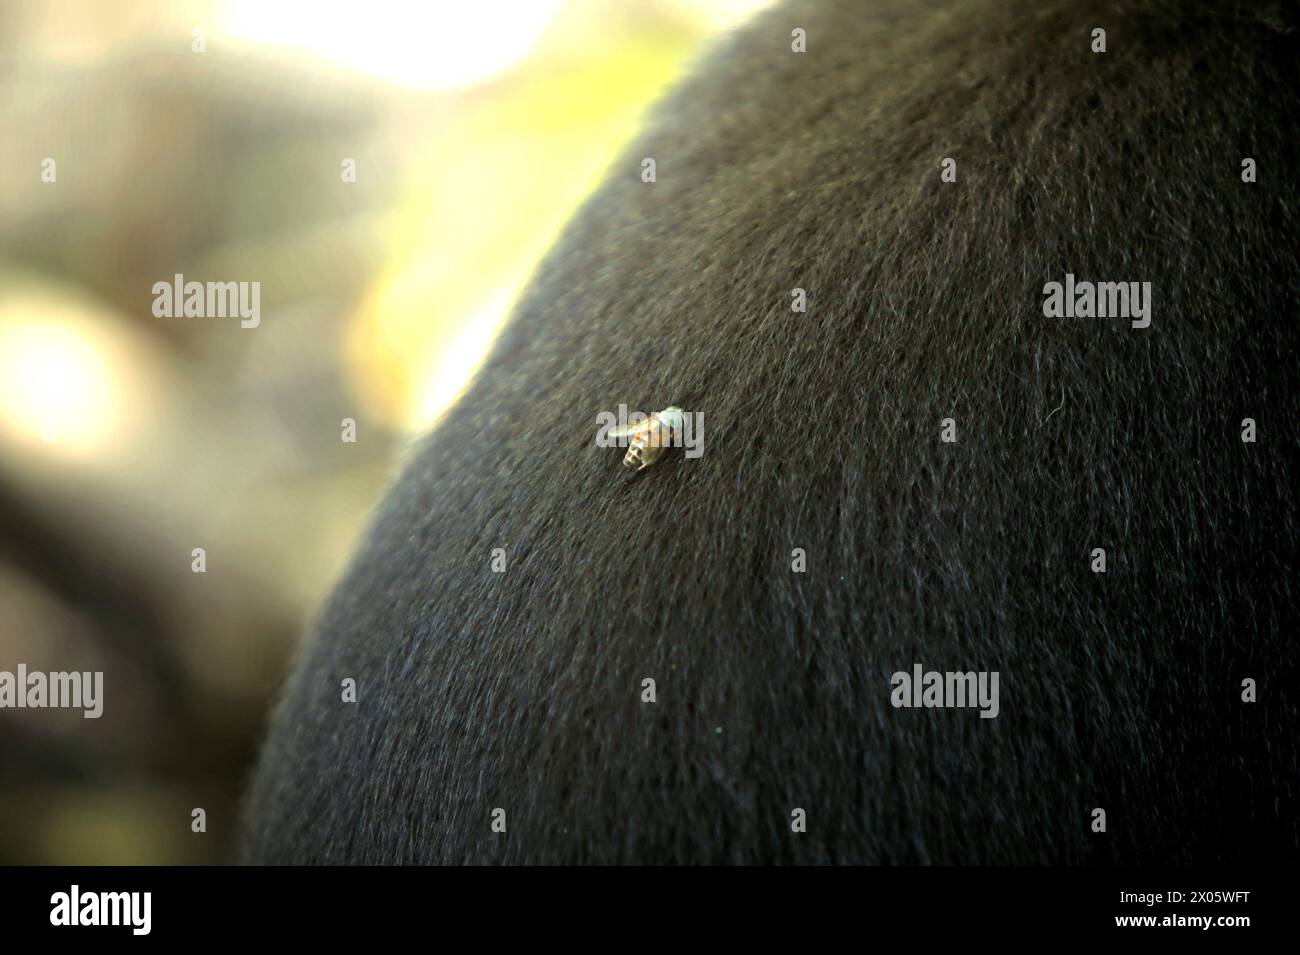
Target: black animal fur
(821, 170)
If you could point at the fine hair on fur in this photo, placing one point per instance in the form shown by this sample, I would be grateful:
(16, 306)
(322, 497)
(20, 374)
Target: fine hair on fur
(947, 458)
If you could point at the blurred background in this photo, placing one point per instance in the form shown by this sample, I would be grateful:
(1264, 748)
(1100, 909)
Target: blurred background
(390, 173)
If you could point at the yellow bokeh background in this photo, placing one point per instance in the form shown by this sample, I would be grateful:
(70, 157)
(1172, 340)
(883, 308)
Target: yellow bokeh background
(142, 139)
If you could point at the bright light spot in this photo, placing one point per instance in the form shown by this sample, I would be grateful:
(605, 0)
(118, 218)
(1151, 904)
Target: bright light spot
(55, 385)
(455, 366)
(425, 45)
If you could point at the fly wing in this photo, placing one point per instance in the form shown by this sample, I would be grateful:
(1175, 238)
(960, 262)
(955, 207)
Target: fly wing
(630, 429)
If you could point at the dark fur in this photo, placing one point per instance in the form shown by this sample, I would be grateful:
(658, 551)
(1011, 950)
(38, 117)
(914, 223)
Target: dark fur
(776, 170)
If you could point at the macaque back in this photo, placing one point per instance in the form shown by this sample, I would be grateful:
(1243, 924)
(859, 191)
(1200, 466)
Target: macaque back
(914, 473)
